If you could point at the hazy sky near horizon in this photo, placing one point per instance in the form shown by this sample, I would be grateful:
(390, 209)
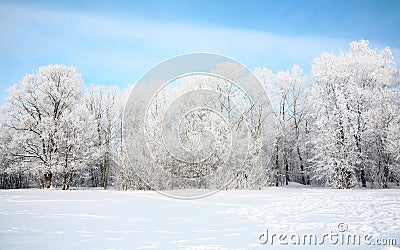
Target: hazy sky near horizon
(115, 42)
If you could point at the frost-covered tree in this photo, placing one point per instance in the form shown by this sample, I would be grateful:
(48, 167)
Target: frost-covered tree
(356, 106)
(76, 146)
(131, 169)
(288, 93)
(105, 104)
(10, 174)
(49, 128)
(381, 137)
(190, 127)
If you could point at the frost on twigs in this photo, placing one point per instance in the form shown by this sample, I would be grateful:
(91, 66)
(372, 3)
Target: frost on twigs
(194, 122)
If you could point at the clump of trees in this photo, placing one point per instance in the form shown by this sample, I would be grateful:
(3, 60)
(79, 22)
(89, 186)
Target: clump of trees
(54, 133)
(358, 108)
(338, 127)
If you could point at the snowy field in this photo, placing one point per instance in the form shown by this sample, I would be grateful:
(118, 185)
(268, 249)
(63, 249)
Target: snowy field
(96, 219)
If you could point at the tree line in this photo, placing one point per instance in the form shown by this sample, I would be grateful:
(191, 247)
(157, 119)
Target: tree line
(338, 127)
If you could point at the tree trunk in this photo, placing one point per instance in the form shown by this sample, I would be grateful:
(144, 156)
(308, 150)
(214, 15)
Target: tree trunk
(363, 180)
(287, 179)
(385, 176)
(47, 178)
(276, 176)
(303, 179)
(105, 170)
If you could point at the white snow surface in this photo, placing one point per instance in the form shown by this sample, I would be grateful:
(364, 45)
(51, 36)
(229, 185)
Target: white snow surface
(233, 219)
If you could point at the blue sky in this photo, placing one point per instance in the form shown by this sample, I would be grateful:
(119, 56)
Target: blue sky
(115, 42)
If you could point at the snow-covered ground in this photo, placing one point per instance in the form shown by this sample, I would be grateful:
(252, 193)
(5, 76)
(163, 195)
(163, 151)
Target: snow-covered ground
(96, 219)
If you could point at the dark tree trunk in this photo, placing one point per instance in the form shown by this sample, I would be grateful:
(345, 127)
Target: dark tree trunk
(363, 180)
(276, 175)
(47, 177)
(287, 178)
(385, 176)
